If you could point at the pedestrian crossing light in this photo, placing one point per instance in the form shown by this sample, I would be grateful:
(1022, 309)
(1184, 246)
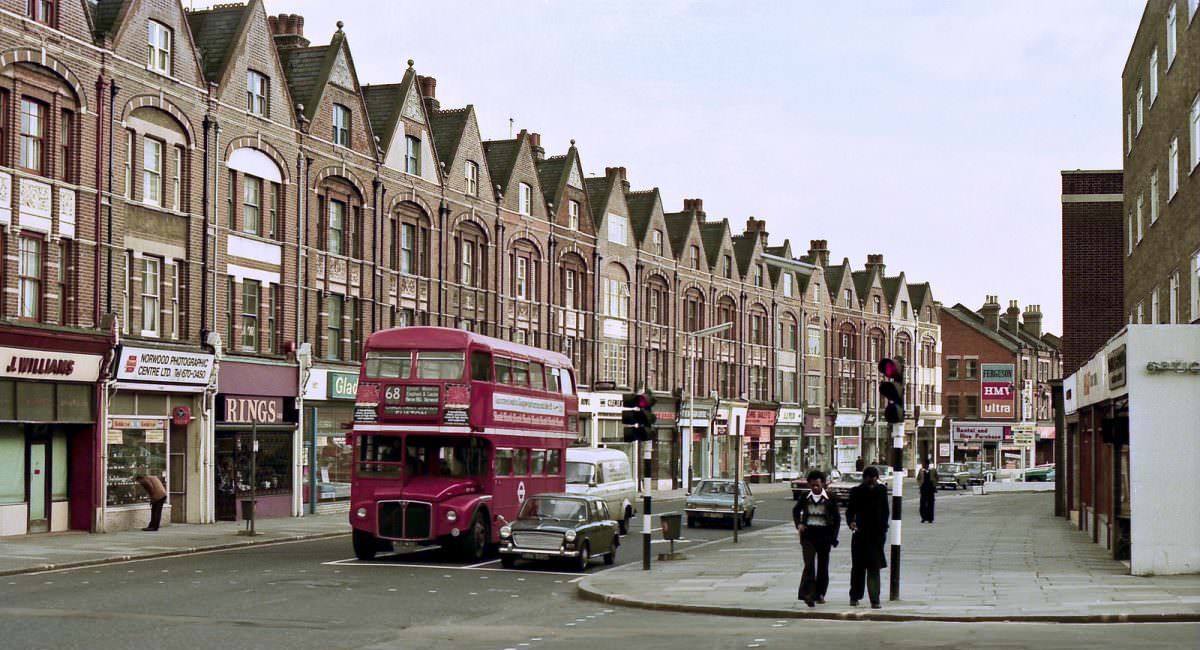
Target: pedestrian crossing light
(638, 416)
(891, 388)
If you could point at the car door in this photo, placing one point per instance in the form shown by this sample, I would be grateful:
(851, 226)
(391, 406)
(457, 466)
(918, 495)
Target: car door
(748, 501)
(608, 526)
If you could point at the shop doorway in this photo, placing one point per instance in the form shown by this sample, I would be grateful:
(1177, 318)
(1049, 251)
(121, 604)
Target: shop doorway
(177, 474)
(39, 488)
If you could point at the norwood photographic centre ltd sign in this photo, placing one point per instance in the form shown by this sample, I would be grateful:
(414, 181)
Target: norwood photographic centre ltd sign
(164, 366)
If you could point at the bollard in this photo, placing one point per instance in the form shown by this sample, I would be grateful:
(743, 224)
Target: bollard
(647, 531)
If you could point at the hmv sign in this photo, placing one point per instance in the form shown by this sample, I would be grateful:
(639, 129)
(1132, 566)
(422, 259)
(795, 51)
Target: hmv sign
(257, 410)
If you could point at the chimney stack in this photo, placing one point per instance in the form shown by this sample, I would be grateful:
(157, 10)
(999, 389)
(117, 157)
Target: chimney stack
(694, 205)
(991, 313)
(535, 143)
(428, 86)
(1033, 321)
(1012, 317)
(757, 226)
(619, 174)
(875, 261)
(288, 30)
(818, 250)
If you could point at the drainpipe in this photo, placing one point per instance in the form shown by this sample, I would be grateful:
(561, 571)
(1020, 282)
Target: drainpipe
(443, 215)
(215, 206)
(376, 192)
(112, 99)
(100, 199)
(204, 208)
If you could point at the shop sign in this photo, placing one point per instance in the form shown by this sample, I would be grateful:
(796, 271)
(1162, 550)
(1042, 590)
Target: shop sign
(760, 417)
(342, 385)
(664, 415)
(980, 432)
(41, 364)
(164, 366)
(996, 388)
(944, 450)
(790, 416)
(846, 441)
(154, 429)
(1181, 367)
(257, 410)
(1023, 438)
(1116, 368)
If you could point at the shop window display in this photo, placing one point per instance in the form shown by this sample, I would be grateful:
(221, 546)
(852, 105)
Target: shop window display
(273, 468)
(135, 446)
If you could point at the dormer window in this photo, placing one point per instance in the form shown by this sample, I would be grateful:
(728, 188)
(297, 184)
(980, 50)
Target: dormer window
(256, 93)
(727, 267)
(471, 174)
(787, 285)
(694, 257)
(573, 215)
(657, 242)
(341, 125)
(878, 304)
(524, 198)
(158, 40)
(904, 309)
(849, 297)
(758, 275)
(412, 155)
(42, 11)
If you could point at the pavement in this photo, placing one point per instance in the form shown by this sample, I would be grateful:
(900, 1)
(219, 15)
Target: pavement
(50, 551)
(988, 558)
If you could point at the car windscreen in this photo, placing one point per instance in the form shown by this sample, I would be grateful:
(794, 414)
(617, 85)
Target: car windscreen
(440, 365)
(851, 477)
(553, 508)
(714, 488)
(948, 468)
(580, 473)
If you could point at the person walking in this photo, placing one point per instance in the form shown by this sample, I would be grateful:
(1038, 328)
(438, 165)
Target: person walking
(867, 514)
(858, 464)
(818, 520)
(158, 496)
(927, 481)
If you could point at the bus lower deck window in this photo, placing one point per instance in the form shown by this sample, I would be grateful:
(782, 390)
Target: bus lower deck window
(521, 462)
(553, 462)
(504, 462)
(481, 366)
(539, 462)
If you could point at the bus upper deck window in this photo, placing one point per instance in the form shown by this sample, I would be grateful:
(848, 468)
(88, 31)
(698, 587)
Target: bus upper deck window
(503, 370)
(481, 366)
(520, 373)
(440, 365)
(568, 384)
(389, 364)
(552, 380)
(537, 376)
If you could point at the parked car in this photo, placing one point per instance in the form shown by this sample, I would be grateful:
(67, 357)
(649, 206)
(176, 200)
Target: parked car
(560, 526)
(604, 473)
(1040, 473)
(953, 476)
(712, 500)
(977, 471)
(800, 484)
(839, 490)
(886, 475)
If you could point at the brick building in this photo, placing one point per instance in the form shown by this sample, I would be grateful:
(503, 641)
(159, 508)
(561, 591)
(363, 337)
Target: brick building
(205, 214)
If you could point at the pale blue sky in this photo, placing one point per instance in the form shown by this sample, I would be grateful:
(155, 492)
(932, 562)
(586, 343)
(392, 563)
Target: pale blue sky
(931, 132)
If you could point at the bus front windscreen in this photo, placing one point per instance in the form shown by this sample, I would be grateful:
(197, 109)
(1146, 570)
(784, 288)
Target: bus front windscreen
(440, 365)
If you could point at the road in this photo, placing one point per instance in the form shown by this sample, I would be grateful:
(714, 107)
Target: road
(313, 595)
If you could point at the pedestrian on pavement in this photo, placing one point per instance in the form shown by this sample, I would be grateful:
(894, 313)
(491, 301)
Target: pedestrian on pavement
(817, 519)
(867, 514)
(858, 464)
(927, 481)
(158, 496)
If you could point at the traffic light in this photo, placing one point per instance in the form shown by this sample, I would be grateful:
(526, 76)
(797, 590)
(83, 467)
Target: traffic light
(891, 387)
(638, 416)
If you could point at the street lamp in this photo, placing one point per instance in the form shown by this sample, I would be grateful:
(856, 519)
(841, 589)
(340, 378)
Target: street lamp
(687, 441)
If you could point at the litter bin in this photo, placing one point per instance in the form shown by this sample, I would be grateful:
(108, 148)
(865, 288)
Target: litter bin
(248, 509)
(671, 524)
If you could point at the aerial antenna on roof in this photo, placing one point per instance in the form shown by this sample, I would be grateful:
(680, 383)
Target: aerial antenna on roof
(510, 127)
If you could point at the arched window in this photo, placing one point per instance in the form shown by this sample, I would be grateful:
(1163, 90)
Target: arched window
(693, 310)
(727, 313)
(525, 267)
(410, 228)
(255, 194)
(658, 305)
(340, 206)
(614, 292)
(470, 255)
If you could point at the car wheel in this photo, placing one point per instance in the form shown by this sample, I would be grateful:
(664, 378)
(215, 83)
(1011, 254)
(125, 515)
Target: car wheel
(610, 557)
(508, 561)
(365, 545)
(623, 525)
(585, 557)
(749, 519)
(474, 540)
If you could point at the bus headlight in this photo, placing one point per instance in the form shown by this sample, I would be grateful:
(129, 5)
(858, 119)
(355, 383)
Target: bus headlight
(569, 536)
(505, 532)
(361, 513)
(451, 515)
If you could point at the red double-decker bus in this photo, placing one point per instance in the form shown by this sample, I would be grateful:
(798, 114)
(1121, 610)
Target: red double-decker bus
(452, 430)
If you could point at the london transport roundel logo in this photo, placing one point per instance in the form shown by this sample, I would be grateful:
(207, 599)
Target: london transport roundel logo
(521, 491)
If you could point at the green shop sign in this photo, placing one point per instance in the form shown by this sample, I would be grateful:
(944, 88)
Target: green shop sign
(342, 385)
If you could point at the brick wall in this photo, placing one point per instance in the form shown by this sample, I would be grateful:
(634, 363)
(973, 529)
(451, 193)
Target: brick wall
(1093, 259)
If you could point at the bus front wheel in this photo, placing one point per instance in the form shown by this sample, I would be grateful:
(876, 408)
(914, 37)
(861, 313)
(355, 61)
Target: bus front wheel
(474, 540)
(365, 545)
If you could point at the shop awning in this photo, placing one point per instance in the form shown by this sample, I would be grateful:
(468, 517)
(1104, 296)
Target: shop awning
(848, 420)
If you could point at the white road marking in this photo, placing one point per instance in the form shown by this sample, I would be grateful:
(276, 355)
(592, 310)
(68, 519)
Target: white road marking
(451, 567)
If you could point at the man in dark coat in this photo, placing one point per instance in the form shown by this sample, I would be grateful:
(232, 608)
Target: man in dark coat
(817, 519)
(868, 515)
(927, 480)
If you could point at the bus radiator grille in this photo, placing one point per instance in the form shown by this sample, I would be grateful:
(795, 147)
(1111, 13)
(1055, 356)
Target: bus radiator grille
(404, 520)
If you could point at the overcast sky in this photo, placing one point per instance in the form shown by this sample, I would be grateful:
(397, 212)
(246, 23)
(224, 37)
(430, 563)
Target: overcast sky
(932, 132)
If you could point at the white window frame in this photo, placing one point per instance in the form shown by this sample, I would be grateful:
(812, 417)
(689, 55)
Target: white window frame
(129, 164)
(1130, 238)
(252, 204)
(152, 171)
(656, 239)
(412, 155)
(1141, 313)
(569, 289)
(1128, 131)
(524, 198)
(618, 229)
(408, 248)
(1172, 169)
(1140, 109)
(177, 180)
(1195, 282)
(1173, 299)
(1172, 35)
(158, 43)
(787, 285)
(151, 296)
(573, 215)
(1154, 196)
(341, 125)
(257, 85)
(1194, 131)
(29, 277)
(521, 275)
(466, 263)
(1153, 75)
(471, 175)
(1138, 216)
(176, 291)
(1154, 306)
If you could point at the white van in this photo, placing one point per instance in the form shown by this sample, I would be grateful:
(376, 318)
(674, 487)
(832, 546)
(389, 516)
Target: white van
(604, 473)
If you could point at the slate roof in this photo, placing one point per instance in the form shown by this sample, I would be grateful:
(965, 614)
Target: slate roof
(448, 127)
(891, 288)
(1052, 341)
(641, 210)
(105, 14)
(833, 279)
(975, 322)
(306, 69)
(921, 294)
(712, 233)
(679, 227)
(862, 283)
(597, 188)
(502, 159)
(384, 103)
(743, 251)
(551, 176)
(215, 32)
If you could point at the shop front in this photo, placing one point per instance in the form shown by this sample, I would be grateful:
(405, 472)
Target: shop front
(848, 440)
(728, 431)
(665, 459)
(328, 409)
(979, 441)
(156, 425)
(758, 448)
(785, 446)
(48, 447)
(818, 443)
(255, 446)
(695, 422)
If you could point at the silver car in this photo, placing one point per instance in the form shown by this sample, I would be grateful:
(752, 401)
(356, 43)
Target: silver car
(713, 500)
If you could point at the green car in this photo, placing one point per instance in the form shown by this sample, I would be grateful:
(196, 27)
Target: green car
(1040, 473)
(560, 526)
(712, 500)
